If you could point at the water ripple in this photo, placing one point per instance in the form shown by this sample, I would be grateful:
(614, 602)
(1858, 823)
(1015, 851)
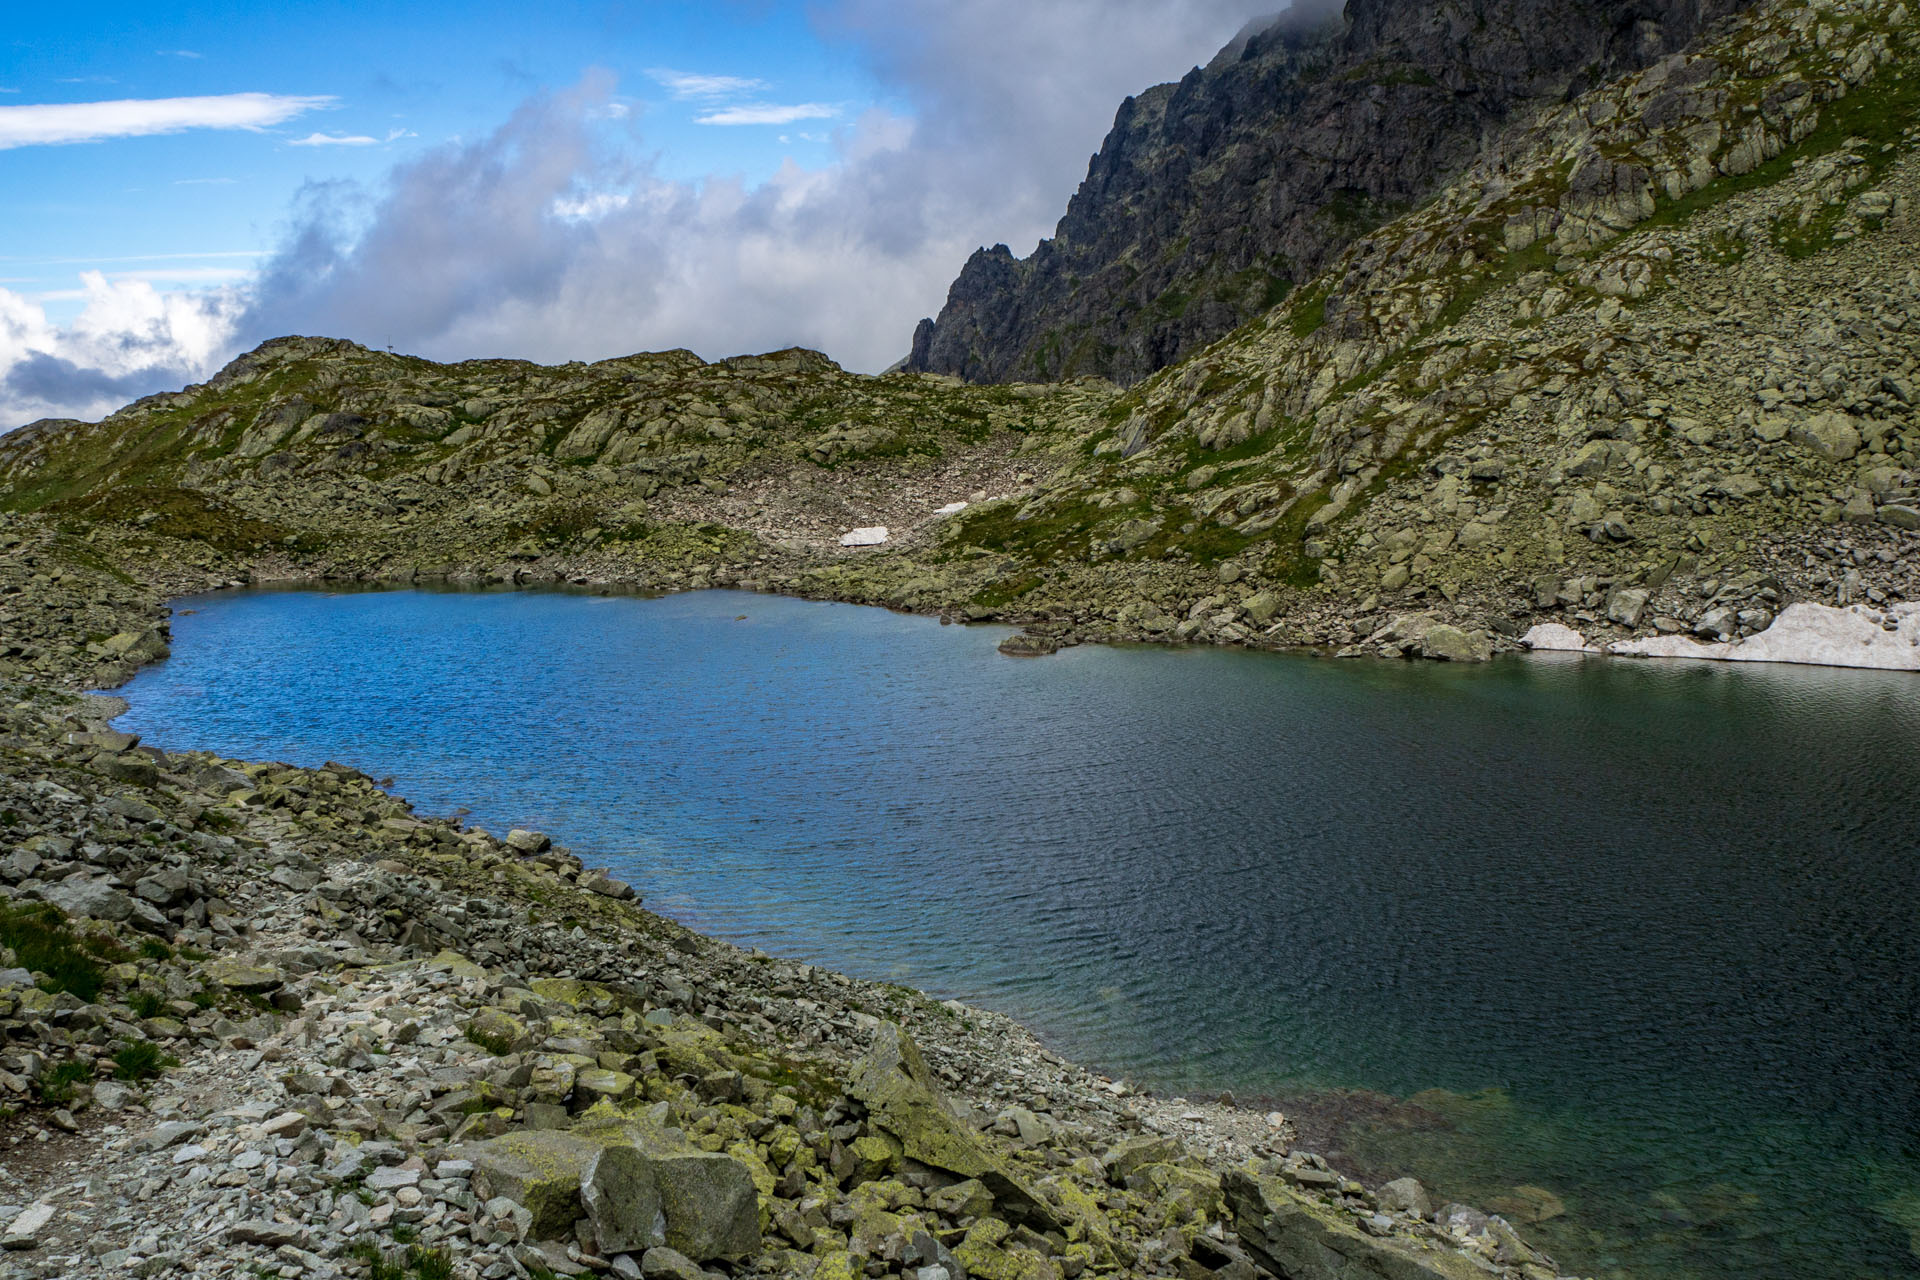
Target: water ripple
(1664, 912)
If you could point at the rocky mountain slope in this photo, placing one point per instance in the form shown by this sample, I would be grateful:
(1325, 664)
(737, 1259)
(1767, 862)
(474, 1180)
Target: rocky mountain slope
(1648, 367)
(1213, 197)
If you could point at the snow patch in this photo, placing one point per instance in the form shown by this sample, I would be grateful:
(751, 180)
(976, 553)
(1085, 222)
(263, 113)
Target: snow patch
(1552, 637)
(1812, 634)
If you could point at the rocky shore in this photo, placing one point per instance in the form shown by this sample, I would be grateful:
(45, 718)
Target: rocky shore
(263, 1020)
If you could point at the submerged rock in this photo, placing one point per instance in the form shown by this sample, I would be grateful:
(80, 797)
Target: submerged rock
(1028, 645)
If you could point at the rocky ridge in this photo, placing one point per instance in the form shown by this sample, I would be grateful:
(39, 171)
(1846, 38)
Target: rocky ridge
(1214, 197)
(258, 1019)
(1647, 368)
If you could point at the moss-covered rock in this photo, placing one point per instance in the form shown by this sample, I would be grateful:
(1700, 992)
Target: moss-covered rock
(1298, 1238)
(893, 1083)
(707, 1204)
(987, 1255)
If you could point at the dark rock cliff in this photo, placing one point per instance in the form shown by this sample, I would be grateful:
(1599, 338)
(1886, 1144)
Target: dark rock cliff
(1211, 198)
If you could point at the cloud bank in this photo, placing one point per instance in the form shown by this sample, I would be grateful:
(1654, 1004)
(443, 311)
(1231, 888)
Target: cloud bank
(551, 239)
(128, 341)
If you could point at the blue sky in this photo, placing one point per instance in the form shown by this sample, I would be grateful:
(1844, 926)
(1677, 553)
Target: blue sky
(554, 181)
(200, 205)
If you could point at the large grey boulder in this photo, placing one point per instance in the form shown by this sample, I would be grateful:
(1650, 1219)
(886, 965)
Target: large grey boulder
(1832, 435)
(1294, 1237)
(711, 1206)
(621, 1195)
(1627, 605)
(79, 896)
(1406, 1195)
(893, 1083)
(644, 1186)
(523, 841)
(1444, 643)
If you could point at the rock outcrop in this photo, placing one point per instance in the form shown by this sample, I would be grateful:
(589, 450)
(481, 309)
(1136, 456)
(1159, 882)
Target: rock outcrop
(1212, 198)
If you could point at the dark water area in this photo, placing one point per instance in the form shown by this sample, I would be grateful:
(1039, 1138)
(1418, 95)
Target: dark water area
(1635, 939)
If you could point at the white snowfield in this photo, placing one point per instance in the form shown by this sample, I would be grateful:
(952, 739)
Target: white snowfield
(1811, 634)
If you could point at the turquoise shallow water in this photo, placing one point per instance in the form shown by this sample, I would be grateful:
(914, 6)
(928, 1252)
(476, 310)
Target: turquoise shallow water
(1641, 935)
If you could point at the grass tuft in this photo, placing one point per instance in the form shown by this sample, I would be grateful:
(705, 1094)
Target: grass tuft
(141, 1060)
(42, 943)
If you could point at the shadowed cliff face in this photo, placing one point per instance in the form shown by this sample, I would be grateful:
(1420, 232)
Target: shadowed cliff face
(1211, 198)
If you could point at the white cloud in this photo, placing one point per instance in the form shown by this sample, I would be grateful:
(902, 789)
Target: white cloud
(128, 341)
(590, 208)
(688, 85)
(334, 140)
(51, 123)
(349, 139)
(769, 114)
(176, 53)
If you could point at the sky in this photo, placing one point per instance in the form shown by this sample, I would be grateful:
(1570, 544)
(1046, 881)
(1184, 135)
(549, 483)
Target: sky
(553, 182)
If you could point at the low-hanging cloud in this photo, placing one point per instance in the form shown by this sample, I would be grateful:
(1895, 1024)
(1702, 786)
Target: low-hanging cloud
(129, 340)
(482, 247)
(551, 239)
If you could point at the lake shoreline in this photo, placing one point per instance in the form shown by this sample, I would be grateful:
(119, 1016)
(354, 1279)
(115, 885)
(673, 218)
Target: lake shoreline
(258, 844)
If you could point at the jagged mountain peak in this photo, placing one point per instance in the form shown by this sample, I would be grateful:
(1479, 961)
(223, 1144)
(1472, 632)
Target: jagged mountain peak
(1214, 196)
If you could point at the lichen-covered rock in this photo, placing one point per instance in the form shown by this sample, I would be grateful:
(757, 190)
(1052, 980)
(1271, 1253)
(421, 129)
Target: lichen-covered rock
(1445, 643)
(987, 1255)
(1832, 435)
(237, 975)
(704, 1204)
(539, 1169)
(621, 1197)
(1294, 1237)
(893, 1083)
(711, 1204)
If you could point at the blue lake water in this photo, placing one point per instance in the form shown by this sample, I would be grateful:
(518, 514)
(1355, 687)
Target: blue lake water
(1643, 935)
